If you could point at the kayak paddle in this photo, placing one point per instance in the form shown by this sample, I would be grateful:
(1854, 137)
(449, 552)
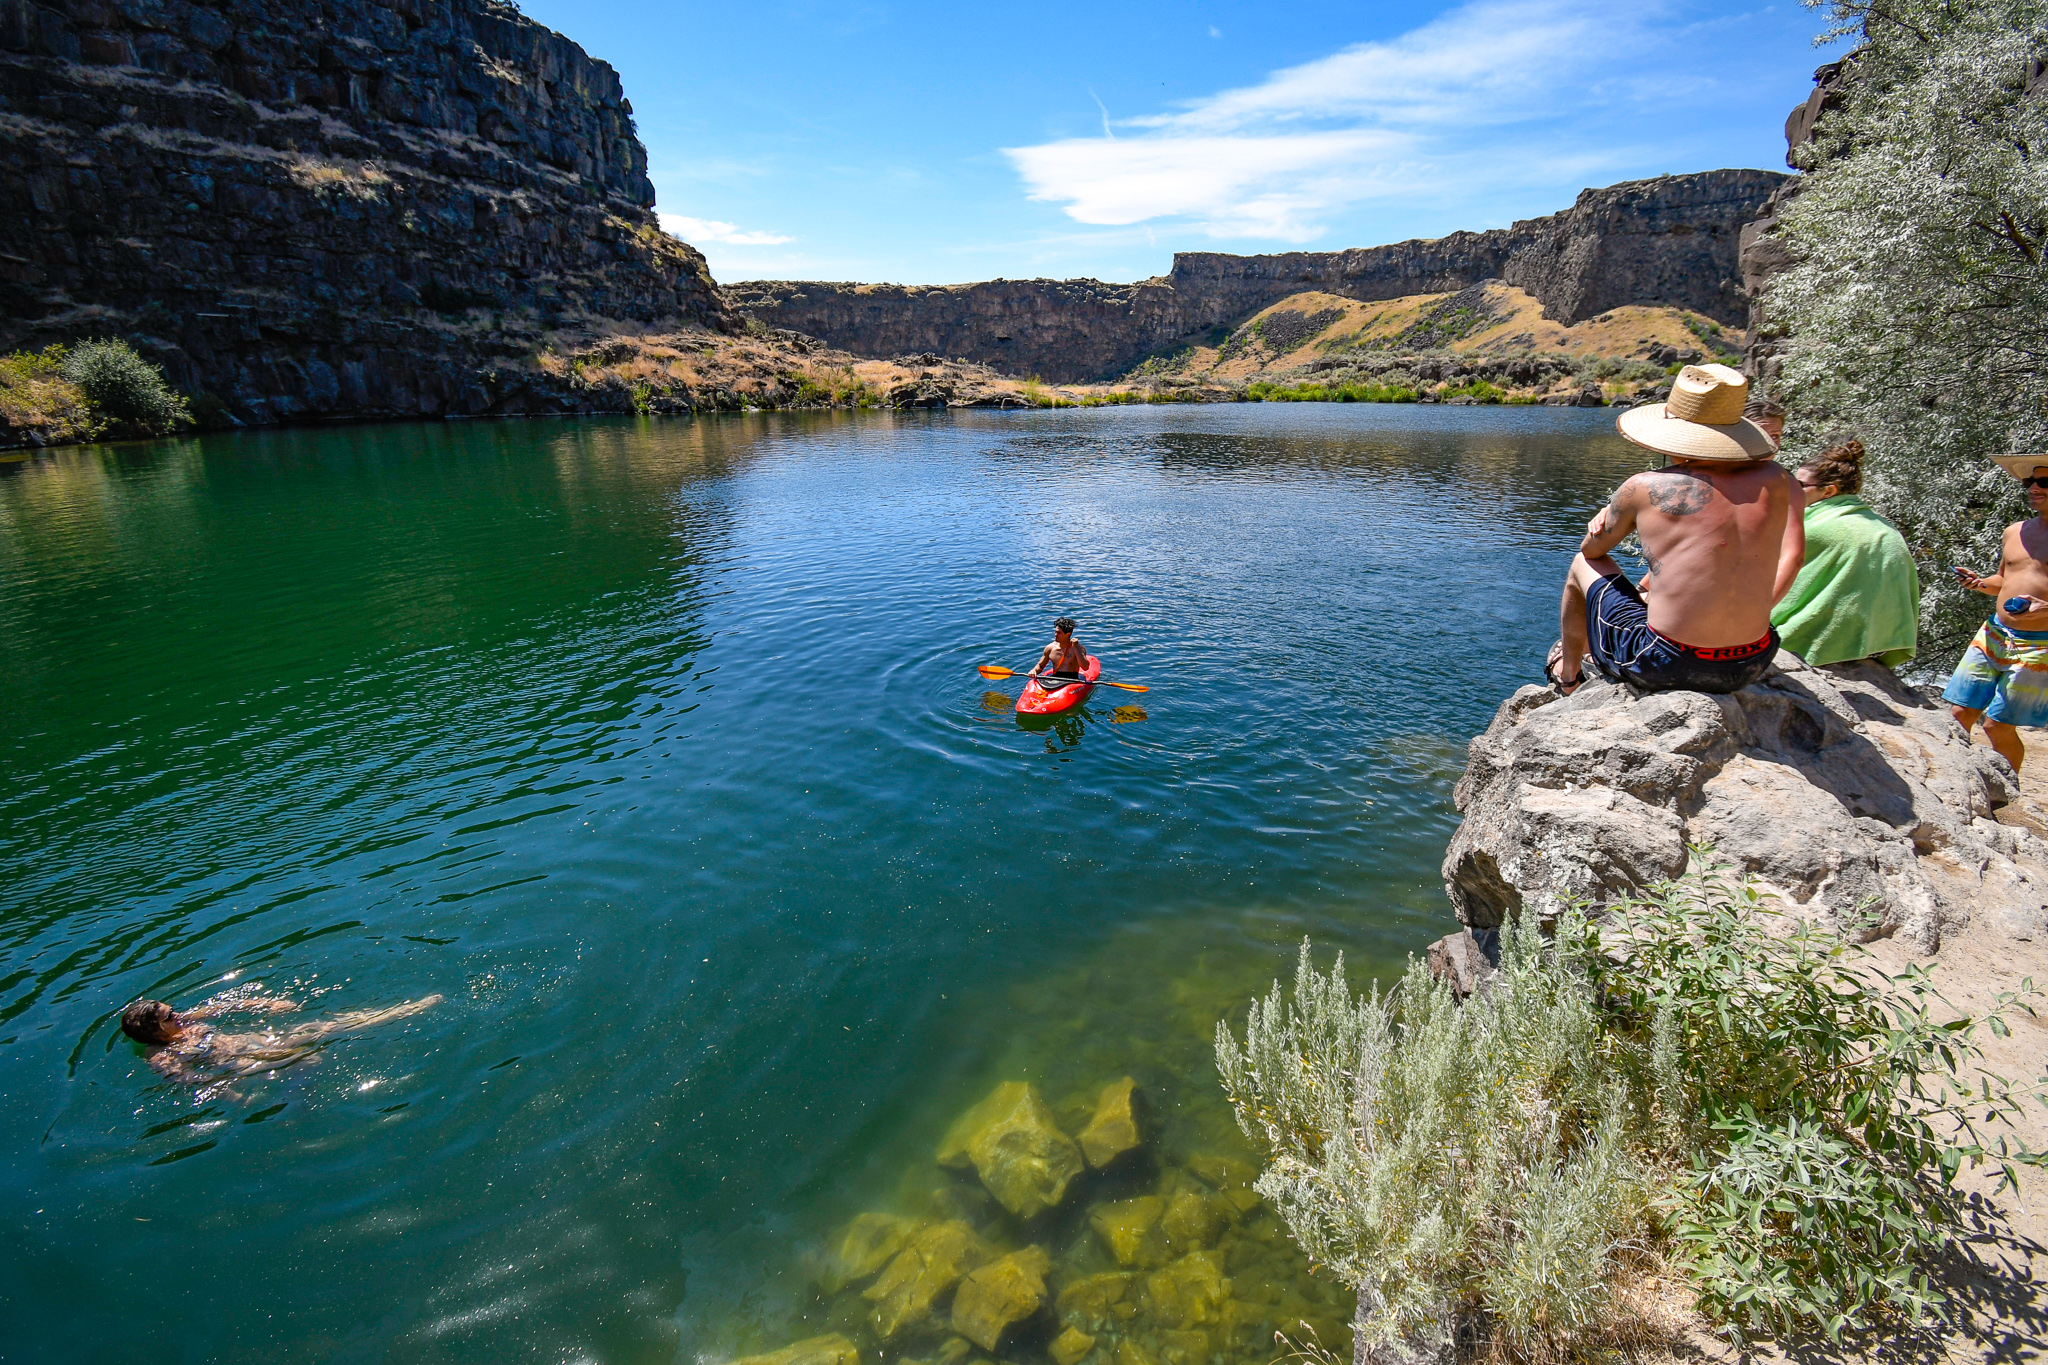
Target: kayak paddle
(992, 672)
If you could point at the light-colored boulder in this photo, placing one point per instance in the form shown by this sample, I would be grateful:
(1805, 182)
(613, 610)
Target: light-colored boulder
(930, 1264)
(1114, 1129)
(1840, 789)
(1013, 1144)
(1232, 1179)
(826, 1350)
(1000, 1294)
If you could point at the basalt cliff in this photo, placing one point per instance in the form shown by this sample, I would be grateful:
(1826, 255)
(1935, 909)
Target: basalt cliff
(308, 208)
(1671, 241)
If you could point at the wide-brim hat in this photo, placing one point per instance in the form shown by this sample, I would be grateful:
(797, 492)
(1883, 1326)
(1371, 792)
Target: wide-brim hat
(1702, 420)
(2020, 465)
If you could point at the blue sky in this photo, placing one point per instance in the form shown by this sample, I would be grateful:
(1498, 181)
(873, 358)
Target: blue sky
(935, 144)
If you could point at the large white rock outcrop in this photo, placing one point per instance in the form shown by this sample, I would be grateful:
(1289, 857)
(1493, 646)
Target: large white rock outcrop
(1839, 788)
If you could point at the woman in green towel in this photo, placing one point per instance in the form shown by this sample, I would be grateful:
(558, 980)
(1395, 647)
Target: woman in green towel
(1858, 596)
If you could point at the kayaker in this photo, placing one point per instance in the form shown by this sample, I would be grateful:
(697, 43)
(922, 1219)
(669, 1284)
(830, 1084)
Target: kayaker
(1063, 658)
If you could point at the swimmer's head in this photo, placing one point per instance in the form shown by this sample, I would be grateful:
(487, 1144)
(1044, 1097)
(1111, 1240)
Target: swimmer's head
(150, 1021)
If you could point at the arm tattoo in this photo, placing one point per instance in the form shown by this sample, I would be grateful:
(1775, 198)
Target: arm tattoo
(1678, 495)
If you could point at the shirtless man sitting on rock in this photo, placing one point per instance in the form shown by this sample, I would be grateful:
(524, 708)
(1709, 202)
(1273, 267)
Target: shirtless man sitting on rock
(185, 1049)
(1720, 538)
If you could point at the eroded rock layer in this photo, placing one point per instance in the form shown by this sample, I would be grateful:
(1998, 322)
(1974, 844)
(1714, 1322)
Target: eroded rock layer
(356, 207)
(1670, 241)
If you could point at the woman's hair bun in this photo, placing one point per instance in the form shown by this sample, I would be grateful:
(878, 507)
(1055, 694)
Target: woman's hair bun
(1850, 452)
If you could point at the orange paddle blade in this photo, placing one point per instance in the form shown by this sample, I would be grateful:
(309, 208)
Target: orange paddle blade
(1128, 687)
(993, 671)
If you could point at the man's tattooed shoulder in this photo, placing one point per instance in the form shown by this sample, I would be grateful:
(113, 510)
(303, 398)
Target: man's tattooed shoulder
(1675, 494)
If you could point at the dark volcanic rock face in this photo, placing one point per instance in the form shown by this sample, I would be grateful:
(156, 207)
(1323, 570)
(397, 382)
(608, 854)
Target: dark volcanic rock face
(1669, 241)
(295, 205)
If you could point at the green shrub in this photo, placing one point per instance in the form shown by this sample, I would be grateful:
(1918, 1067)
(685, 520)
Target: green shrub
(1267, 392)
(1477, 388)
(1442, 1159)
(121, 385)
(1815, 1111)
(36, 397)
(1795, 1119)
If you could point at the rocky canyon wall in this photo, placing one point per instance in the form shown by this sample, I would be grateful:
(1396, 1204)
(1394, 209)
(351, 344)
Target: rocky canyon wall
(1672, 241)
(356, 207)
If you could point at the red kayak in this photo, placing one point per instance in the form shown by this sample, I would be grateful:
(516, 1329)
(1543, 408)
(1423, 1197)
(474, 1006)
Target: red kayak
(1039, 700)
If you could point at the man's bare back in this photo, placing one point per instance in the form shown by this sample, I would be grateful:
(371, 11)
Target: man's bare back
(1716, 537)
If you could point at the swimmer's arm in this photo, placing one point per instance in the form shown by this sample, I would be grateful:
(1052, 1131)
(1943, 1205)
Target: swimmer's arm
(254, 1004)
(1613, 524)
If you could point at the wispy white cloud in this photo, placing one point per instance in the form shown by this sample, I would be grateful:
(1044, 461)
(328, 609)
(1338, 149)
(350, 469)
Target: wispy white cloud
(1509, 90)
(697, 231)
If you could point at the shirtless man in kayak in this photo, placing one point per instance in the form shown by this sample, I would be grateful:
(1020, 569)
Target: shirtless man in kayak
(2002, 678)
(187, 1050)
(1720, 538)
(1064, 657)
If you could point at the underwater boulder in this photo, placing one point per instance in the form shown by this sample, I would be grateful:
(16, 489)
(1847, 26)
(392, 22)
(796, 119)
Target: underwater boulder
(1070, 1347)
(1127, 1227)
(1114, 1129)
(1189, 1293)
(1003, 1292)
(1234, 1180)
(1013, 1144)
(1096, 1302)
(1193, 1220)
(870, 1242)
(826, 1350)
(930, 1264)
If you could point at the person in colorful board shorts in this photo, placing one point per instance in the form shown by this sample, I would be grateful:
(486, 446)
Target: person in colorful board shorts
(2003, 677)
(1721, 538)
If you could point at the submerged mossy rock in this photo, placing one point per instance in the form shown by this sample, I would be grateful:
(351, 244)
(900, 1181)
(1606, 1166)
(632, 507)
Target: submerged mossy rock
(870, 1242)
(1097, 1303)
(1070, 1347)
(1233, 1180)
(826, 1350)
(1114, 1129)
(930, 1264)
(1129, 1228)
(1013, 1144)
(1192, 1292)
(1000, 1294)
(1194, 1219)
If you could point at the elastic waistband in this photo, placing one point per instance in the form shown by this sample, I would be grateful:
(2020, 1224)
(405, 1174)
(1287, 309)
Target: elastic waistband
(1719, 653)
(2005, 629)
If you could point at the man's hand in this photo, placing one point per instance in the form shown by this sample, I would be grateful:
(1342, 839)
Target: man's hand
(1598, 525)
(1979, 582)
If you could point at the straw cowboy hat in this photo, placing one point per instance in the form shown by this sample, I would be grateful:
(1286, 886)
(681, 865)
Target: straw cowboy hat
(1702, 420)
(2019, 466)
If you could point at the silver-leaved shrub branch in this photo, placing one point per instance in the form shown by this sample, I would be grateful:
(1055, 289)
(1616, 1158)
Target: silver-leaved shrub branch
(1916, 309)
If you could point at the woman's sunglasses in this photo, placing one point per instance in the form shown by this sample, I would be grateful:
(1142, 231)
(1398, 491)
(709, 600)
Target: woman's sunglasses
(2039, 481)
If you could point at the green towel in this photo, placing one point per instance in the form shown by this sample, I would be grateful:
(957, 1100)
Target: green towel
(1858, 593)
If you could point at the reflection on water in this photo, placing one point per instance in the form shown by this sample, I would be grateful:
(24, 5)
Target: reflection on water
(656, 748)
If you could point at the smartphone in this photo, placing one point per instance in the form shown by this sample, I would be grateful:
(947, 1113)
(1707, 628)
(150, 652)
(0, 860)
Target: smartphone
(1960, 572)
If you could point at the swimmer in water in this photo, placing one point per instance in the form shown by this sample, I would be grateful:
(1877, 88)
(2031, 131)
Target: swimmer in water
(189, 1051)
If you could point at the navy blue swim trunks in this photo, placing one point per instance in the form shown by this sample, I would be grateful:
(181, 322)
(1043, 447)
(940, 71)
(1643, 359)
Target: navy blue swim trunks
(1626, 649)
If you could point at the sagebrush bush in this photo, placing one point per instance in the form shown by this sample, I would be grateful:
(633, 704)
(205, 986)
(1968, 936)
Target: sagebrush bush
(1795, 1119)
(1446, 1160)
(1815, 1112)
(124, 387)
(35, 397)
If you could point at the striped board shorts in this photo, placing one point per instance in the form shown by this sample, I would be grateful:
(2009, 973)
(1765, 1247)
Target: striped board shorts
(2004, 674)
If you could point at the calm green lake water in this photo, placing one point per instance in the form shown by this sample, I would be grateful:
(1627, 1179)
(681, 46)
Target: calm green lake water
(657, 748)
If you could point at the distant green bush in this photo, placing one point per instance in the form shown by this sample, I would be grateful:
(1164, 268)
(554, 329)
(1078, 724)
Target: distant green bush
(1264, 392)
(124, 387)
(35, 397)
(1477, 388)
